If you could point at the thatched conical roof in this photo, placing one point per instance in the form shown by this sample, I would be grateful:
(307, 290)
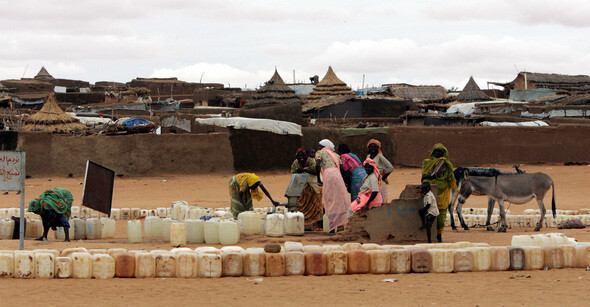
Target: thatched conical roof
(330, 85)
(274, 92)
(43, 74)
(472, 92)
(51, 118)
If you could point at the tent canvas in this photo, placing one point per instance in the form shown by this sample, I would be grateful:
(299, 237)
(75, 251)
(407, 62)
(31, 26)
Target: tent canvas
(268, 125)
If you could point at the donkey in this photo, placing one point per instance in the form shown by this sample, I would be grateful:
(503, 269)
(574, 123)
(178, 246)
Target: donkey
(462, 193)
(499, 186)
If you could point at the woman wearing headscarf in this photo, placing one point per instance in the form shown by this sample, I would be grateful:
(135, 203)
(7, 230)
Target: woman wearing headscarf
(310, 201)
(243, 188)
(334, 194)
(385, 167)
(304, 164)
(437, 169)
(55, 207)
(354, 170)
(369, 196)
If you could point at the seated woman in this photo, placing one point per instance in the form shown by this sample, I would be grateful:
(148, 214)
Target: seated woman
(369, 195)
(304, 164)
(55, 207)
(243, 188)
(310, 202)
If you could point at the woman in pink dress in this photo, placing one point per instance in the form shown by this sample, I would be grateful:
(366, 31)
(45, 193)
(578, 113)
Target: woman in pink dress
(335, 197)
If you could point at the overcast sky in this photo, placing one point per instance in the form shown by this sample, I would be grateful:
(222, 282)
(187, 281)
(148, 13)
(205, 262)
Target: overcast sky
(239, 43)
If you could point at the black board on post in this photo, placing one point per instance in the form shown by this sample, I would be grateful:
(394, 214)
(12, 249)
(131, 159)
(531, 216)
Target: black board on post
(98, 187)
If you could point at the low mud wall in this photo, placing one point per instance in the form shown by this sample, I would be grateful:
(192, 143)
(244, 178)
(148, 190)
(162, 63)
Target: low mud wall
(495, 145)
(470, 146)
(147, 154)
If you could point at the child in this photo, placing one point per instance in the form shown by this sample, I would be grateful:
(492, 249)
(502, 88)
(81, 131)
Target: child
(429, 213)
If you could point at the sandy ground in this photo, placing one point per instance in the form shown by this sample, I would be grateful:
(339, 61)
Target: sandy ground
(572, 185)
(566, 286)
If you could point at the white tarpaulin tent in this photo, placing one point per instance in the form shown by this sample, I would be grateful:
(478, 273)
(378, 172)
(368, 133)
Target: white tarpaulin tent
(557, 113)
(91, 120)
(537, 123)
(268, 125)
(470, 107)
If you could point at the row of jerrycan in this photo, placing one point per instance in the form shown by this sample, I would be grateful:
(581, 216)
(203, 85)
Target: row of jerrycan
(525, 220)
(179, 211)
(499, 258)
(85, 212)
(213, 231)
(292, 259)
(34, 228)
(88, 229)
(543, 240)
(273, 225)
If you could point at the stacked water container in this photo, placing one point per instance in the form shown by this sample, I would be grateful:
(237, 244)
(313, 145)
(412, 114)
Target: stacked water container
(550, 251)
(530, 217)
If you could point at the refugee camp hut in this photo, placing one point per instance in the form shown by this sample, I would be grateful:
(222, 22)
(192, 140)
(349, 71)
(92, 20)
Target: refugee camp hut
(418, 93)
(51, 118)
(348, 108)
(43, 74)
(274, 100)
(562, 84)
(330, 86)
(472, 92)
(249, 137)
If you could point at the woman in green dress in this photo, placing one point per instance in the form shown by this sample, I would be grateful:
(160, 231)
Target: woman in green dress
(55, 207)
(438, 169)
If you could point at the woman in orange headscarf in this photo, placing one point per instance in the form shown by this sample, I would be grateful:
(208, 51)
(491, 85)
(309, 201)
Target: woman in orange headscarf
(243, 188)
(369, 195)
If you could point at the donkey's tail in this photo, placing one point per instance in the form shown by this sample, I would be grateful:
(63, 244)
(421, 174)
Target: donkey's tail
(553, 199)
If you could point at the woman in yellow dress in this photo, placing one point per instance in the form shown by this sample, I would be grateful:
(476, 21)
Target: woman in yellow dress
(243, 188)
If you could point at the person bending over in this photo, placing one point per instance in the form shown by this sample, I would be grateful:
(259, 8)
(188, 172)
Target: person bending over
(243, 188)
(55, 207)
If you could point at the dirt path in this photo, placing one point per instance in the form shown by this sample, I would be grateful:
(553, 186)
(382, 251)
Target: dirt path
(572, 185)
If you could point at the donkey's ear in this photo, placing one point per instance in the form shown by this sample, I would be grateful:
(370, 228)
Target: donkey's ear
(465, 173)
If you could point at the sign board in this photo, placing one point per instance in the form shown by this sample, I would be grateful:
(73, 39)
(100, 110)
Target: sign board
(12, 178)
(12, 170)
(98, 187)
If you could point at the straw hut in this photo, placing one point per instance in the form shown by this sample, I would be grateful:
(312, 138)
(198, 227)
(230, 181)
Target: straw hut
(43, 74)
(562, 84)
(330, 86)
(472, 92)
(274, 92)
(51, 118)
(417, 93)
